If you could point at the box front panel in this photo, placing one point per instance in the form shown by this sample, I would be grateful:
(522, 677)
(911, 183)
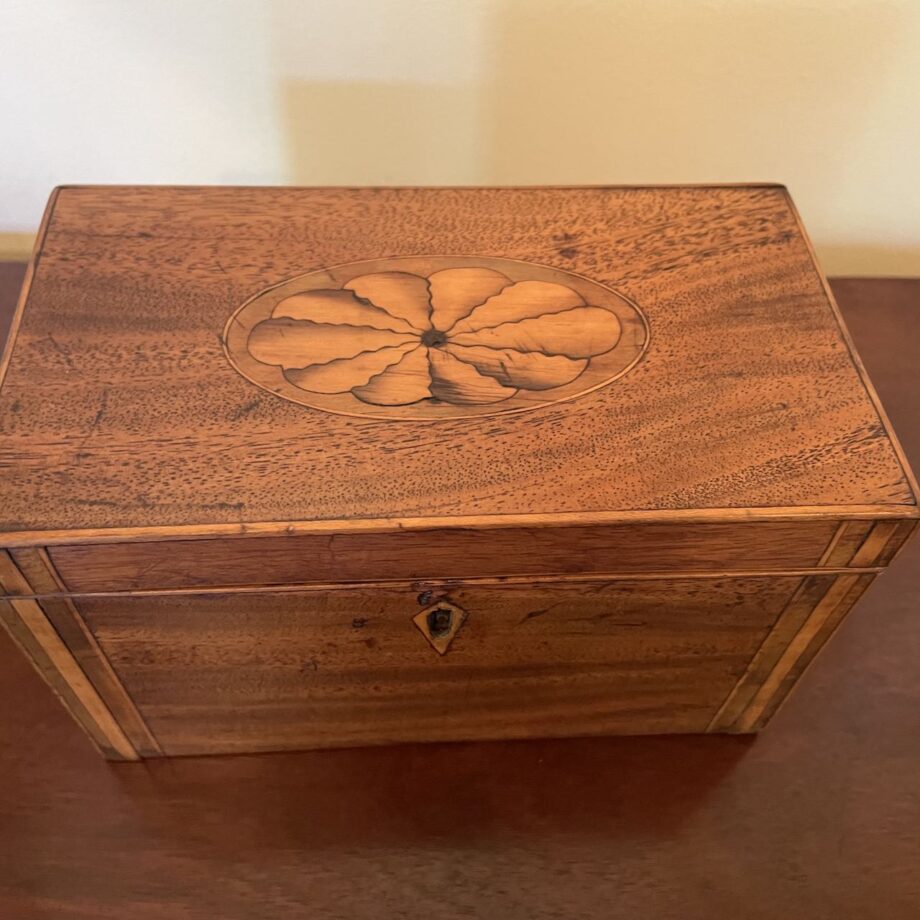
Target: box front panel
(260, 671)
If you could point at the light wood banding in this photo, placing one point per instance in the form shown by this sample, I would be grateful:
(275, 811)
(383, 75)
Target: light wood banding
(894, 546)
(30, 628)
(806, 643)
(60, 611)
(810, 592)
(875, 543)
(846, 542)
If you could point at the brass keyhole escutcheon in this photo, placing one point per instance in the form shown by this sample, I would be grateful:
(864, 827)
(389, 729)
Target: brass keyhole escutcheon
(439, 621)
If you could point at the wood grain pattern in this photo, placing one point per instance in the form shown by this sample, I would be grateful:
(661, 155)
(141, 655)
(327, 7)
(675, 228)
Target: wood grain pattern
(875, 543)
(896, 543)
(39, 571)
(613, 828)
(729, 407)
(806, 643)
(451, 553)
(244, 530)
(848, 539)
(794, 617)
(24, 627)
(28, 626)
(142, 398)
(424, 584)
(237, 673)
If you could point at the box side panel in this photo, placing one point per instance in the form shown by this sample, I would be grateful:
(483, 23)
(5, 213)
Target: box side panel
(810, 618)
(31, 630)
(897, 542)
(217, 673)
(882, 543)
(52, 635)
(866, 543)
(447, 553)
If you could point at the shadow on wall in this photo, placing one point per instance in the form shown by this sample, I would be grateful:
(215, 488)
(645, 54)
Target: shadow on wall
(371, 133)
(661, 91)
(882, 261)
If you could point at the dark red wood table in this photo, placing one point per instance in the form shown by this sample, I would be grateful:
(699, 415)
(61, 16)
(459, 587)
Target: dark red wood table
(819, 817)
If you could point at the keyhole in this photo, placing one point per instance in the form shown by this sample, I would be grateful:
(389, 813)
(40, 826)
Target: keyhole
(439, 622)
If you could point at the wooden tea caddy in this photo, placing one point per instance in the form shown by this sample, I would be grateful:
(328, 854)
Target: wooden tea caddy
(293, 468)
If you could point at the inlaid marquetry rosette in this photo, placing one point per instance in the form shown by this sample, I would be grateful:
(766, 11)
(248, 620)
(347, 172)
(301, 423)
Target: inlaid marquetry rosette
(429, 337)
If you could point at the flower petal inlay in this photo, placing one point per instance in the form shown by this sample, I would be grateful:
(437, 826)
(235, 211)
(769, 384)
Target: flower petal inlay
(527, 370)
(399, 293)
(299, 343)
(456, 382)
(343, 374)
(435, 337)
(456, 292)
(581, 332)
(339, 308)
(407, 381)
(524, 300)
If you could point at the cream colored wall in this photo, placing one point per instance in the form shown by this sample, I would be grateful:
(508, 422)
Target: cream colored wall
(821, 95)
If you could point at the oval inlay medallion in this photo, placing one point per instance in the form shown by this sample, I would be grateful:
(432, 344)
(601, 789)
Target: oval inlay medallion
(428, 337)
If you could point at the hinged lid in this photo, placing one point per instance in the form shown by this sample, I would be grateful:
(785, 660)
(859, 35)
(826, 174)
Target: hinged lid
(189, 360)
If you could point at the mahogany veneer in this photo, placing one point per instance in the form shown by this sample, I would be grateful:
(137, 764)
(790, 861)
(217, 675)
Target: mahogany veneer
(290, 468)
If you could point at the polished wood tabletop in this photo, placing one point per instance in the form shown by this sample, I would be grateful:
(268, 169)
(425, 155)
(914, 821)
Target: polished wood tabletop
(817, 817)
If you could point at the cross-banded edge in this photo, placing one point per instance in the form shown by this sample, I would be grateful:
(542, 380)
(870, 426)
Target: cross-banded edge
(814, 611)
(53, 636)
(864, 544)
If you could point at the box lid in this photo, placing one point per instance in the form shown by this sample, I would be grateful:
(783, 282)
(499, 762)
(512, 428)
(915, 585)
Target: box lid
(201, 360)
